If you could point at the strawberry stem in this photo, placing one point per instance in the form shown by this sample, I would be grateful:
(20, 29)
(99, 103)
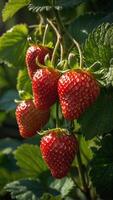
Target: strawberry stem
(61, 52)
(57, 42)
(55, 50)
(39, 64)
(45, 33)
(78, 47)
(84, 184)
(75, 183)
(18, 101)
(57, 114)
(81, 172)
(86, 189)
(71, 38)
(94, 64)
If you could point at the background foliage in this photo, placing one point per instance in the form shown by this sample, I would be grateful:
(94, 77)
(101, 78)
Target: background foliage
(23, 174)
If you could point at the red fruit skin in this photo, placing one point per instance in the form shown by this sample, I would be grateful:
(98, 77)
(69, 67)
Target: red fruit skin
(30, 119)
(44, 86)
(33, 52)
(58, 150)
(77, 91)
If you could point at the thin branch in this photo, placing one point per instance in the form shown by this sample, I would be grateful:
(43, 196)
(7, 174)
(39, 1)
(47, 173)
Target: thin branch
(76, 184)
(71, 38)
(53, 26)
(61, 52)
(57, 42)
(81, 173)
(45, 33)
(57, 114)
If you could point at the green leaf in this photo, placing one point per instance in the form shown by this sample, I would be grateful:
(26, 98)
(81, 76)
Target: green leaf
(7, 147)
(98, 47)
(68, 14)
(109, 76)
(50, 197)
(7, 100)
(7, 160)
(71, 3)
(41, 5)
(7, 176)
(8, 168)
(102, 168)
(46, 184)
(7, 77)
(13, 46)
(83, 25)
(107, 18)
(29, 159)
(12, 6)
(2, 117)
(97, 120)
(3, 81)
(29, 189)
(9, 143)
(24, 86)
(64, 186)
(85, 149)
(26, 189)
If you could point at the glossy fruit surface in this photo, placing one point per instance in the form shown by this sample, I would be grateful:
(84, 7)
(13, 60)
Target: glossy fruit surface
(77, 91)
(34, 52)
(30, 119)
(59, 150)
(44, 85)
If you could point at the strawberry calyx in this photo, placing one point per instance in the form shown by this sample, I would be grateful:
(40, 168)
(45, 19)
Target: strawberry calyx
(47, 62)
(49, 46)
(88, 71)
(40, 45)
(18, 101)
(59, 131)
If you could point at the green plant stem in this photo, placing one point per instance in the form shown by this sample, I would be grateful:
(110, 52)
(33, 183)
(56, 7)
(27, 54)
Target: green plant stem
(61, 52)
(86, 189)
(94, 64)
(81, 173)
(75, 183)
(71, 47)
(45, 33)
(57, 42)
(84, 185)
(33, 26)
(57, 115)
(55, 50)
(71, 38)
(78, 47)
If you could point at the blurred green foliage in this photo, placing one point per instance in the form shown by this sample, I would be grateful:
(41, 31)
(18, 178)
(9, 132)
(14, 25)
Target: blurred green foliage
(22, 170)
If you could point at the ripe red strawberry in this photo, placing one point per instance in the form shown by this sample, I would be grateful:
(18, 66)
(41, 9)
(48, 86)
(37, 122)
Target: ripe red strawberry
(33, 52)
(77, 91)
(44, 85)
(29, 119)
(58, 150)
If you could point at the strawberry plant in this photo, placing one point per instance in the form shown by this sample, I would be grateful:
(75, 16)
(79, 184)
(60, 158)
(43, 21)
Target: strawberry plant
(64, 105)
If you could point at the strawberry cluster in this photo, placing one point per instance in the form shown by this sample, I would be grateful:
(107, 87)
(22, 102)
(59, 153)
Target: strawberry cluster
(76, 90)
(32, 115)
